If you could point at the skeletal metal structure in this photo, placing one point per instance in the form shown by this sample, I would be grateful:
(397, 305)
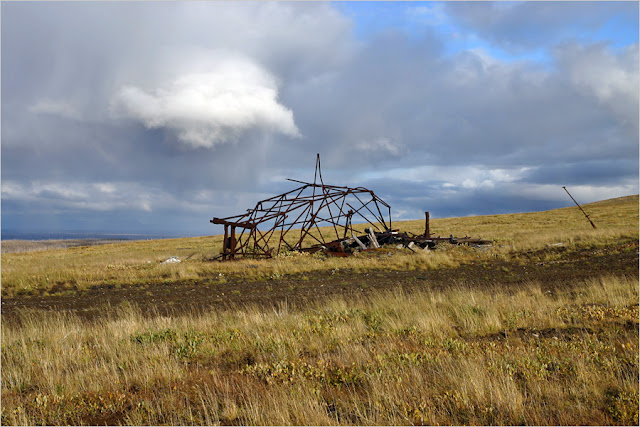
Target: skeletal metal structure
(289, 219)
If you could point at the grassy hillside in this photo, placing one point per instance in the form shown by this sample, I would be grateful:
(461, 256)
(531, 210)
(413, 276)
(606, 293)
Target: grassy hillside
(140, 262)
(556, 345)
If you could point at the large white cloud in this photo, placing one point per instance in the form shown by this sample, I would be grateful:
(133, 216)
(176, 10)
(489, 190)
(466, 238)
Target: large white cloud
(208, 108)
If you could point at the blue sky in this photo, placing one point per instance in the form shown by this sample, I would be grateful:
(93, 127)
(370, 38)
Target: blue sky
(620, 28)
(152, 117)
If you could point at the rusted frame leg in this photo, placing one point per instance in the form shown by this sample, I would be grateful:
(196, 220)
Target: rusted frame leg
(224, 242)
(380, 212)
(241, 244)
(232, 242)
(281, 225)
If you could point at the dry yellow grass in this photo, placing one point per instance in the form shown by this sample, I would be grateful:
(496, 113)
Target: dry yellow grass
(140, 262)
(458, 356)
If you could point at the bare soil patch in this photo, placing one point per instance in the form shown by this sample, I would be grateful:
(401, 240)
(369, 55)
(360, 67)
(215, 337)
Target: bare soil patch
(567, 269)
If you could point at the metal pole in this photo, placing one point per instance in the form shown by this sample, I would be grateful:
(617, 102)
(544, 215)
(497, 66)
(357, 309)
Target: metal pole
(574, 201)
(225, 242)
(427, 233)
(232, 242)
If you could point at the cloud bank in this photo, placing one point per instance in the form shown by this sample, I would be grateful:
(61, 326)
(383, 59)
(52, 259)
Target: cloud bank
(206, 109)
(150, 116)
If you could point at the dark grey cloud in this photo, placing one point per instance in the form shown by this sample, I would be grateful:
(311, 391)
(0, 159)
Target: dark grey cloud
(415, 107)
(152, 116)
(517, 26)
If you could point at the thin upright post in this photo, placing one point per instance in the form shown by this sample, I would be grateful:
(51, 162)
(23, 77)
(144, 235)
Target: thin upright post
(427, 233)
(225, 241)
(232, 242)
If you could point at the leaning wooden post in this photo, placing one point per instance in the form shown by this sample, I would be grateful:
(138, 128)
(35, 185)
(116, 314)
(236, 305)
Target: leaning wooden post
(579, 207)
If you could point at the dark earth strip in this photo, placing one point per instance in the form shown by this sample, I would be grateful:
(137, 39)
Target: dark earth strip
(568, 269)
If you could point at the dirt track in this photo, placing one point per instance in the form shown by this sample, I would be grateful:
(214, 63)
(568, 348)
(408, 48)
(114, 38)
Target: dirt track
(570, 269)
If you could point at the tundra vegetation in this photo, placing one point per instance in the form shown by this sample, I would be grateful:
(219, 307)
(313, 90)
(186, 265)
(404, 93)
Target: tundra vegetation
(80, 268)
(565, 354)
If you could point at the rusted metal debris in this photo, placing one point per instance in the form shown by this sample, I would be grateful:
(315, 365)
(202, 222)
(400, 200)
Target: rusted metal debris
(291, 219)
(372, 240)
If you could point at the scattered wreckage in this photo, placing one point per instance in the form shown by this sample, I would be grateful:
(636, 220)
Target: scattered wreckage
(287, 222)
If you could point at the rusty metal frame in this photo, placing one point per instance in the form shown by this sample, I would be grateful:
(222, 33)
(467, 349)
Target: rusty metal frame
(296, 213)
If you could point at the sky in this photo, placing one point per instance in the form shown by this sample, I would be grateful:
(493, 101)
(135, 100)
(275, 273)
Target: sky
(154, 117)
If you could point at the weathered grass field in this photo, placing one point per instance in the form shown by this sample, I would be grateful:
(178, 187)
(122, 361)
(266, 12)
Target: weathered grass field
(527, 350)
(140, 262)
